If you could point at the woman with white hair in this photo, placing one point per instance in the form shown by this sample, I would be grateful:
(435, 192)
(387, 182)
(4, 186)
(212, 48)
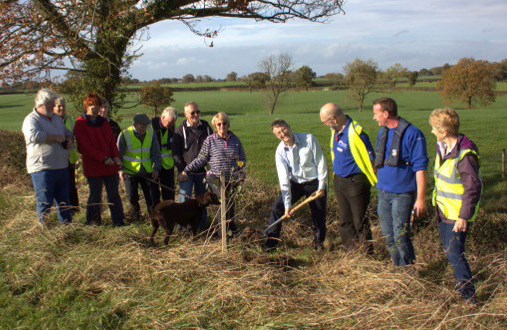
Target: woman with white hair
(47, 156)
(223, 152)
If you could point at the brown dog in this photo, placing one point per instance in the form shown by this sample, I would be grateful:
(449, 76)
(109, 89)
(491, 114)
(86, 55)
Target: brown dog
(169, 213)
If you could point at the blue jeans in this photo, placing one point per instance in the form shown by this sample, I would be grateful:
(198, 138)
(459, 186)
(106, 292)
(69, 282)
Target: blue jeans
(454, 247)
(49, 186)
(113, 198)
(394, 213)
(195, 181)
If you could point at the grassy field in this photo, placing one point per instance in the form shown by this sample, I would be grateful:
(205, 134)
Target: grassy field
(84, 277)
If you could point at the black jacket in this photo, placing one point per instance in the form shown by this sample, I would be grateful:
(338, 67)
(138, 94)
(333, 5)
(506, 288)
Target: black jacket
(187, 143)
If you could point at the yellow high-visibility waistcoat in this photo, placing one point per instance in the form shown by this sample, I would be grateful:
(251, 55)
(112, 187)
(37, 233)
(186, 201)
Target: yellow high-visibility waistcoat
(449, 189)
(358, 150)
(167, 155)
(137, 153)
(73, 154)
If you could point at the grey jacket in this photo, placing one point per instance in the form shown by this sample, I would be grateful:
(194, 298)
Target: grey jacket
(41, 155)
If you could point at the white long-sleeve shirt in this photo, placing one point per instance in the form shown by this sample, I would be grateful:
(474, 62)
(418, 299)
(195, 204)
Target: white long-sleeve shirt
(301, 163)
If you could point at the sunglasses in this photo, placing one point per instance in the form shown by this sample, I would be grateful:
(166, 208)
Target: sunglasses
(222, 124)
(193, 113)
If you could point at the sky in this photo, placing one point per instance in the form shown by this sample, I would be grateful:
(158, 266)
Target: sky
(415, 33)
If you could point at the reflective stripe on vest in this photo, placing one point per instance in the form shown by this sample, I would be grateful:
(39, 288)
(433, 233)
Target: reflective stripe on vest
(137, 153)
(358, 150)
(167, 154)
(449, 189)
(73, 154)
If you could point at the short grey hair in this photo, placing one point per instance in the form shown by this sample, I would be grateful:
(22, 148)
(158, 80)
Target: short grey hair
(170, 112)
(45, 96)
(191, 104)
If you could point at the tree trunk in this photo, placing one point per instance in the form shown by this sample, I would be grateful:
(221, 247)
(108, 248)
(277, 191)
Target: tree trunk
(361, 105)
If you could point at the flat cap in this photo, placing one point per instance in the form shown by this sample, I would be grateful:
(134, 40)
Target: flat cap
(141, 119)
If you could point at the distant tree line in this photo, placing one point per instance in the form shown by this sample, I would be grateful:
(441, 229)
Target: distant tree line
(470, 81)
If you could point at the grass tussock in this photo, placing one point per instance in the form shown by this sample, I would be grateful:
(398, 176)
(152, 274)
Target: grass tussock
(111, 278)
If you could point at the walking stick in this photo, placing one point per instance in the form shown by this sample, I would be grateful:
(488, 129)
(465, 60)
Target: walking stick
(312, 197)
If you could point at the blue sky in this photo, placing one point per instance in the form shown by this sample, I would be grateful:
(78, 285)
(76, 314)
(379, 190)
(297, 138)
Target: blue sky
(417, 34)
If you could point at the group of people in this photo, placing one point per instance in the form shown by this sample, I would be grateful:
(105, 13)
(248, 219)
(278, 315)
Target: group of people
(144, 154)
(397, 166)
(147, 152)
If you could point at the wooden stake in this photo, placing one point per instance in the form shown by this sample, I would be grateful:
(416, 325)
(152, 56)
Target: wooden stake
(223, 211)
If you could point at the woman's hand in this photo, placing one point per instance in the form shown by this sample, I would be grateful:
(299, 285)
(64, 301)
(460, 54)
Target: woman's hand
(183, 177)
(460, 226)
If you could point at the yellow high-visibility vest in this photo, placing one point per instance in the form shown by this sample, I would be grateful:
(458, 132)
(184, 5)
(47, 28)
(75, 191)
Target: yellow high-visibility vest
(137, 153)
(358, 150)
(449, 189)
(73, 154)
(167, 155)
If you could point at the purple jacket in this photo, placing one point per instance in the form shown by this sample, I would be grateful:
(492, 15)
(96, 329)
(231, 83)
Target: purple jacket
(468, 169)
(222, 155)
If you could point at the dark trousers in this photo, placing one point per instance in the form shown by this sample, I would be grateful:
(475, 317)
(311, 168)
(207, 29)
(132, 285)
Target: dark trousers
(113, 198)
(317, 207)
(166, 178)
(353, 196)
(454, 247)
(149, 188)
(73, 197)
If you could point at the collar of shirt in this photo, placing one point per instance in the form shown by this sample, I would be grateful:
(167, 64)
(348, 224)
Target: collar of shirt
(188, 124)
(344, 129)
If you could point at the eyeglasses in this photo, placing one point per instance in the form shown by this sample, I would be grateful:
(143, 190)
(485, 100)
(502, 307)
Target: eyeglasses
(328, 121)
(222, 124)
(196, 112)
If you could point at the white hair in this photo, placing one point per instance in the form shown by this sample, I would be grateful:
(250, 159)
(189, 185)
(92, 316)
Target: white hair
(169, 112)
(45, 96)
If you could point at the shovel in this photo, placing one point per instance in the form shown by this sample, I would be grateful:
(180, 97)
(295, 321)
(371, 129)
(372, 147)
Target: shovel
(312, 197)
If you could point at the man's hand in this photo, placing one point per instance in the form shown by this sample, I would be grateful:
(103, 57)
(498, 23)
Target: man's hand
(108, 161)
(154, 175)
(460, 226)
(55, 138)
(69, 144)
(322, 191)
(183, 177)
(289, 213)
(117, 161)
(419, 208)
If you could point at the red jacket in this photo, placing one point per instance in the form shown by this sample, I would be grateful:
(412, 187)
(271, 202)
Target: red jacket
(96, 143)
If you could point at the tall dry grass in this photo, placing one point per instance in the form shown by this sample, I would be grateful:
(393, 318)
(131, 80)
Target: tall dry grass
(103, 277)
